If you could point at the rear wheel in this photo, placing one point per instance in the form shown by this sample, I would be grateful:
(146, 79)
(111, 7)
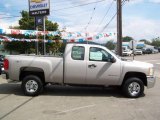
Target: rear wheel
(32, 85)
(133, 87)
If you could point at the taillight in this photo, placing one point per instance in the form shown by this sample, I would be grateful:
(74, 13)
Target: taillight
(6, 64)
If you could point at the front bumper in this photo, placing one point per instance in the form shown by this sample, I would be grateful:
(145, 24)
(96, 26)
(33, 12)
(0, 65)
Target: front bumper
(138, 53)
(125, 54)
(151, 80)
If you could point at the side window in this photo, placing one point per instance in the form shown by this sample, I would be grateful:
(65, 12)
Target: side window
(98, 54)
(78, 53)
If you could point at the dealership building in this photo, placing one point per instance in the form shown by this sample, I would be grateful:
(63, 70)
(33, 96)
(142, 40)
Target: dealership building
(138, 44)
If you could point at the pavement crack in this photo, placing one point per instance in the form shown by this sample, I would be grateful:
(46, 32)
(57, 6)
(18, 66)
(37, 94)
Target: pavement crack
(15, 108)
(5, 97)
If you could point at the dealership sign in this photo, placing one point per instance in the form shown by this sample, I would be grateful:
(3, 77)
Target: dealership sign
(39, 20)
(39, 7)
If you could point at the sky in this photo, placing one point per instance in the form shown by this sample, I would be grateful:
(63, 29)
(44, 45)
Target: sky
(140, 18)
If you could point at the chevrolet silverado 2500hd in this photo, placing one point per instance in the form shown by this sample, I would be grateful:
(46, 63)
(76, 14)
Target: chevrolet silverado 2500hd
(81, 64)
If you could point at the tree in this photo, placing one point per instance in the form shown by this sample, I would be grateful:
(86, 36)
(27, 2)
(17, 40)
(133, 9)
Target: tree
(21, 47)
(27, 23)
(156, 42)
(127, 39)
(50, 26)
(110, 45)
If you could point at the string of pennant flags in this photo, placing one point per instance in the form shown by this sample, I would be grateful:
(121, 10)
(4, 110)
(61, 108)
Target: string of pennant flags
(66, 36)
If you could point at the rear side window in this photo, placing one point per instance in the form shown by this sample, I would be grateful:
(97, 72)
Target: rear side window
(78, 53)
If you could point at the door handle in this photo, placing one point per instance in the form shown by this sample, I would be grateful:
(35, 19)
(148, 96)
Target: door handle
(92, 66)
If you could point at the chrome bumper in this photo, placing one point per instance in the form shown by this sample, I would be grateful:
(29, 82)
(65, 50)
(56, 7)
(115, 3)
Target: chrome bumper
(151, 81)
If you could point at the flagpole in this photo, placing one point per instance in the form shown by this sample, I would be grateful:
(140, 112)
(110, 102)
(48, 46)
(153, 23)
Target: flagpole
(44, 28)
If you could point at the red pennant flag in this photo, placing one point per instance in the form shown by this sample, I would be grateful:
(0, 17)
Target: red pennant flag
(106, 35)
(15, 32)
(89, 38)
(72, 40)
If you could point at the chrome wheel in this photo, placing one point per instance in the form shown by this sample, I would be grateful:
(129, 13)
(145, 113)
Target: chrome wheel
(31, 86)
(134, 88)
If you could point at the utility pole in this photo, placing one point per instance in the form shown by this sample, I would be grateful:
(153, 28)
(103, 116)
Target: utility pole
(119, 27)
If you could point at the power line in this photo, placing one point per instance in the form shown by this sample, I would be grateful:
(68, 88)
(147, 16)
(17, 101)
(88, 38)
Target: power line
(105, 15)
(3, 14)
(10, 17)
(57, 2)
(1, 8)
(78, 5)
(70, 2)
(123, 3)
(93, 12)
(73, 13)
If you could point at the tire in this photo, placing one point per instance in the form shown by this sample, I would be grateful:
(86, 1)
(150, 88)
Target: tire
(32, 85)
(133, 87)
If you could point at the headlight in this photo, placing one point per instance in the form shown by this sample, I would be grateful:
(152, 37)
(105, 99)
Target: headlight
(151, 72)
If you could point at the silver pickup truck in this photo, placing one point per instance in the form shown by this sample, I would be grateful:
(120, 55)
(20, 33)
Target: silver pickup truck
(81, 64)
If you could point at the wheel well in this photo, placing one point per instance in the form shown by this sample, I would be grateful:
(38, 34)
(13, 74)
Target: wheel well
(31, 71)
(139, 75)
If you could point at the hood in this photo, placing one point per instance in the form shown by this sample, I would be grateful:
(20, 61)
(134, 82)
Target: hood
(136, 66)
(138, 63)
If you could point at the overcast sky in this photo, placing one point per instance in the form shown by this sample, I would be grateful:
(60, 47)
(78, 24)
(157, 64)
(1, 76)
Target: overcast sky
(141, 18)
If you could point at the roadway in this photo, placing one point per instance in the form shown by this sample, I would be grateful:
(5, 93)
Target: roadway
(70, 103)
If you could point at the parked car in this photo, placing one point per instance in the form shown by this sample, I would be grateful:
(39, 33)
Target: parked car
(138, 52)
(147, 51)
(154, 50)
(127, 52)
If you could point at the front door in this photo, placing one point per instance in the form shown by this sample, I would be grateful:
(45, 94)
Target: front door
(100, 70)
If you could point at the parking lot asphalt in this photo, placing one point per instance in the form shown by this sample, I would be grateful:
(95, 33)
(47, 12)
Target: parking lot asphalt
(76, 103)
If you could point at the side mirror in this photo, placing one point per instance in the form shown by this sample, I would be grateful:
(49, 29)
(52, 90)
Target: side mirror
(112, 60)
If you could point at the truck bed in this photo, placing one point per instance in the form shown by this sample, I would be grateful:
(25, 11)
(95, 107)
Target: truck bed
(51, 66)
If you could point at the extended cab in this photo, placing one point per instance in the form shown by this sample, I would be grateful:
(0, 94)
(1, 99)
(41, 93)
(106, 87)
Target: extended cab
(81, 64)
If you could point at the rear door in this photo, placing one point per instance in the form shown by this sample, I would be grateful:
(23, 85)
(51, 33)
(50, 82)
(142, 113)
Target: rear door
(75, 65)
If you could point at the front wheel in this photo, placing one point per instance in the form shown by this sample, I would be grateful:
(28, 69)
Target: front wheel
(32, 85)
(133, 87)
